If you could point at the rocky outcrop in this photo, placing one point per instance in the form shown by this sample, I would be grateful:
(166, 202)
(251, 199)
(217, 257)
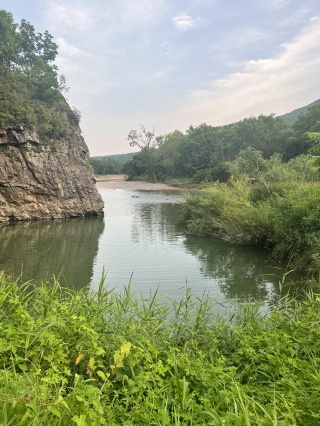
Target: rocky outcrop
(45, 180)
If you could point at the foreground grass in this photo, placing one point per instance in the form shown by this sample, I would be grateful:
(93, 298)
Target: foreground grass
(96, 358)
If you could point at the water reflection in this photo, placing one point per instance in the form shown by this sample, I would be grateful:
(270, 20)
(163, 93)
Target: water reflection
(138, 239)
(40, 249)
(142, 238)
(241, 272)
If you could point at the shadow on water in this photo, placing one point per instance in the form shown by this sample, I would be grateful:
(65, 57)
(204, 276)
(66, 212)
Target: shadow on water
(40, 250)
(241, 272)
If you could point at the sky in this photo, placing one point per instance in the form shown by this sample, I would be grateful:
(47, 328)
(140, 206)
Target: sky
(169, 64)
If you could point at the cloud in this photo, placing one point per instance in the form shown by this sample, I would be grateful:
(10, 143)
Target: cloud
(277, 84)
(68, 49)
(185, 22)
(70, 16)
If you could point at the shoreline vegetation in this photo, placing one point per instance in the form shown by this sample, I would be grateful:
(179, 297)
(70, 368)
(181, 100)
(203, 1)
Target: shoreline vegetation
(100, 358)
(265, 202)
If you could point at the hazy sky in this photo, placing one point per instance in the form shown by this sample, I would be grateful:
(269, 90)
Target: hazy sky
(172, 63)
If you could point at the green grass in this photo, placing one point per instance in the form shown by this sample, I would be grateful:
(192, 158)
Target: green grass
(98, 358)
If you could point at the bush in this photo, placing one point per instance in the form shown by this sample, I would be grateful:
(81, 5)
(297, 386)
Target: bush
(295, 226)
(225, 211)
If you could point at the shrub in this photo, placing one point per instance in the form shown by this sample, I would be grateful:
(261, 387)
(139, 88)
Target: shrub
(225, 211)
(295, 226)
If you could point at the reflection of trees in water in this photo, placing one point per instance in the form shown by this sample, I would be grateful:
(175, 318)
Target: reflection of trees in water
(242, 272)
(154, 221)
(41, 249)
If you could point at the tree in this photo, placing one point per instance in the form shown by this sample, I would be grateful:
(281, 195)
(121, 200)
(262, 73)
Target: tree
(267, 134)
(23, 51)
(299, 143)
(146, 160)
(170, 149)
(8, 51)
(143, 138)
(315, 137)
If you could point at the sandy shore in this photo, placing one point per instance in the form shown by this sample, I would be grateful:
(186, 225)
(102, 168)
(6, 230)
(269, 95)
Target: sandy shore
(119, 182)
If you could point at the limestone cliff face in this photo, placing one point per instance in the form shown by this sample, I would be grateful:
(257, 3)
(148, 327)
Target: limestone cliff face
(45, 181)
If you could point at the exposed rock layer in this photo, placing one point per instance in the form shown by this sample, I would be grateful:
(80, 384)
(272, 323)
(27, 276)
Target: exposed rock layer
(45, 181)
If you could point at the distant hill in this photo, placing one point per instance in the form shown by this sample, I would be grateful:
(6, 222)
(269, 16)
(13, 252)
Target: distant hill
(291, 117)
(122, 158)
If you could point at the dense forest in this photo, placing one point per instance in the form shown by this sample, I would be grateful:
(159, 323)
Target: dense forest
(202, 152)
(109, 164)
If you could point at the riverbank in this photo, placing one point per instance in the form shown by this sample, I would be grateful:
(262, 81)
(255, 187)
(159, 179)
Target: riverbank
(119, 182)
(97, 358)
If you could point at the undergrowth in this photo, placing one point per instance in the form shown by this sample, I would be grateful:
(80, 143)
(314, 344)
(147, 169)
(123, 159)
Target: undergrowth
(98, 358)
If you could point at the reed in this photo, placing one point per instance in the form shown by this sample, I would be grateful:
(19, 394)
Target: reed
(102, 358)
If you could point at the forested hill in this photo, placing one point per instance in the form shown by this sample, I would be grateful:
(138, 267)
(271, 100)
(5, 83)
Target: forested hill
(201, 152)
(291, 117)
(122, 158)
(110, 164)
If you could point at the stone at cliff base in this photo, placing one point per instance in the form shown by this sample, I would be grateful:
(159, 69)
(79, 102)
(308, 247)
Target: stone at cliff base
(45, 180)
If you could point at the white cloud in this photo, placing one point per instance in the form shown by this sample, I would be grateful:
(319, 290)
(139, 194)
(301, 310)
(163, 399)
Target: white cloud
(68, 49)
(70, 16)
(185, 22)
(276, 84)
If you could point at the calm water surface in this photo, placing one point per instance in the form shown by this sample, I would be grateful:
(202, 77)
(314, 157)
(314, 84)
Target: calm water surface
(138, 240)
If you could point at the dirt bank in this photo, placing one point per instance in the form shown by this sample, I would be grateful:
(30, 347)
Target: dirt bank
(119, 182)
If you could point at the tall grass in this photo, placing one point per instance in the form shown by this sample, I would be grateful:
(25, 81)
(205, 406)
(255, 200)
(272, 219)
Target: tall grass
(100, 358)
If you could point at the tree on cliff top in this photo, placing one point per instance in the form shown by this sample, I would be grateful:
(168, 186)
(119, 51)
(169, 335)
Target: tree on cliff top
(24, 51)
(30, 87)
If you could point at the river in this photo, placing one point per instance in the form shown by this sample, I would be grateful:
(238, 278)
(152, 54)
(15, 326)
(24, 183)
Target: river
(138, 242)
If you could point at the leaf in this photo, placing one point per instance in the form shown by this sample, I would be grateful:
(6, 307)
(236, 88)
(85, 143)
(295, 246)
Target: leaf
(80, 420)
(80, 399)
(91, 362)
(125, 348)
(117, 357)
(54, 410)
(79, 358)
(102, 375)
(26, 416)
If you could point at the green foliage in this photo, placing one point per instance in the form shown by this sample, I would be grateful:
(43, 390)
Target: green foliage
(99, 358)
(295, 226)
(203, 152)
(106, 165)
(21, 48)
(315, 149)
(225, 211)
(29, 85)
(265, 202)
(146, 164)
(298, 142)
(292, 116)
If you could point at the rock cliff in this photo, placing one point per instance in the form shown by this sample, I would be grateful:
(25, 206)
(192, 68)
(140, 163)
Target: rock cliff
(45, 180)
